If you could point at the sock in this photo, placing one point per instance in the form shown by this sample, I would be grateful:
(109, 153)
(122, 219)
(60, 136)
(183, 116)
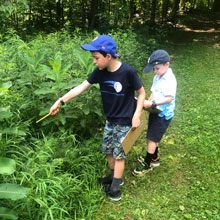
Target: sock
(155, 153)
(148, 158)
(115, 184)
(112, 173)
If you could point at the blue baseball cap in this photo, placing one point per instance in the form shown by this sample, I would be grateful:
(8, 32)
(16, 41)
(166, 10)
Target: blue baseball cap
(157, 57)
(102, 43)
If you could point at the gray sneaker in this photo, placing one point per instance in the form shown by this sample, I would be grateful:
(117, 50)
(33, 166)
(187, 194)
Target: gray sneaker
(115, 195)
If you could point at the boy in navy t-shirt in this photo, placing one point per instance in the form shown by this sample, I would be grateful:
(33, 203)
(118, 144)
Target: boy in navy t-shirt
(118, 83)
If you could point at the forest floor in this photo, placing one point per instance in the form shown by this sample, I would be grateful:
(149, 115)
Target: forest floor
(187, 184)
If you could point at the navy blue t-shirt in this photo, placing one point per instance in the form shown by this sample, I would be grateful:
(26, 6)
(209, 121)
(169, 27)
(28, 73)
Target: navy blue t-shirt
(117, 91)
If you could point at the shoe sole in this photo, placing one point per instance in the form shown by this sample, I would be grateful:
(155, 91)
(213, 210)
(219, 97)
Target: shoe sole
(115, 199)
(155, 164)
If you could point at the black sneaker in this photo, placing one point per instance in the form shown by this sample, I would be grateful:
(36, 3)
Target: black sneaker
(142, 170)
(106, 188)
(115, 195)
(106, 180)
(154, 162)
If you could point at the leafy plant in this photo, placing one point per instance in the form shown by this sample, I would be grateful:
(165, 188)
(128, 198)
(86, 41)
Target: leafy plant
(10, 190)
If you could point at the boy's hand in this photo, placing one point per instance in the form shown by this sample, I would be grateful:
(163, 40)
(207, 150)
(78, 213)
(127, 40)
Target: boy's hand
(55, 108)
(147, 104)
(135, 121)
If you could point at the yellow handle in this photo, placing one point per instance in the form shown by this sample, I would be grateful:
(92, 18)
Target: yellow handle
(43, 118)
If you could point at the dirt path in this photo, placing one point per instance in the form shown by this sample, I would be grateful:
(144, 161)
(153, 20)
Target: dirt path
(196, 29)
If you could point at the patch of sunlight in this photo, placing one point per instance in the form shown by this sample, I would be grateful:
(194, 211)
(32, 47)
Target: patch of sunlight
(171, 141)
(216, 46)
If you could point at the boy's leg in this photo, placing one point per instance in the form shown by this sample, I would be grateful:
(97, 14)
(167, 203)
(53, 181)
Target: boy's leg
(113, 136)
(156, 153)
(119, 156)
(146, 165)
(157, 126)
(111, 161)
(117, 181)
(106, 149)
(119, 168)
(151, 148)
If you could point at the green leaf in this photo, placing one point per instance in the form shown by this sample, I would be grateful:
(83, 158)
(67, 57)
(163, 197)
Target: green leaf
(14, 131)
(39, 57)
(80, 57)
(66, 68)
(12, 191)
(56, 67)
(8, 214)
(71, 84)
(43, 91)
(188, 216)
(3, 90)
(5, 115)
(7, 166)
(90, 68)
(86, 109)
(181, 207)
(6, 85)
(29, 60)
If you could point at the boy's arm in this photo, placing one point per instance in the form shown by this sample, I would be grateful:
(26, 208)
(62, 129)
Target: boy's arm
(151, 97)
(140, 104)
(149, 103)
(166, 100)
(69, 95)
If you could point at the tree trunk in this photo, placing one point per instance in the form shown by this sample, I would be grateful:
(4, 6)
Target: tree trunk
(132, 9)
(49, 9)
(174, 10)
(216, 6)
(153, 12)
(59, 12)
(93, 13)
(165, 10)
(30, 14)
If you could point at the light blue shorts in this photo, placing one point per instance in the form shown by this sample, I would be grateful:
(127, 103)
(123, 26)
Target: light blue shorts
(112, 138)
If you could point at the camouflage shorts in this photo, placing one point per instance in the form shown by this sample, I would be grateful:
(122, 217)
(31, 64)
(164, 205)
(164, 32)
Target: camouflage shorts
(113, 136)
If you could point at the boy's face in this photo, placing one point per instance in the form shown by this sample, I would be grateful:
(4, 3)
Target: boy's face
(160, 69)
(100, 61)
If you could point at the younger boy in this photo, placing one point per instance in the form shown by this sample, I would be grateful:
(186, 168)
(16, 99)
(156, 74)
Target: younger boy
(118, 83)
(163, 97)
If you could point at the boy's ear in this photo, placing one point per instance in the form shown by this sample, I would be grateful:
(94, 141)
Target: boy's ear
(109, 56)
(167, 64)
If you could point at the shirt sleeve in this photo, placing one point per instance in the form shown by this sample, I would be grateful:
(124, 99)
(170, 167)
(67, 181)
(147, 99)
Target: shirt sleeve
(136, 82)
(93, 77)
(170, 87)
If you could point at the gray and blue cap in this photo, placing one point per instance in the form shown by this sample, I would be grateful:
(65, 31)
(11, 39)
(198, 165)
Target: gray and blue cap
(157, 57)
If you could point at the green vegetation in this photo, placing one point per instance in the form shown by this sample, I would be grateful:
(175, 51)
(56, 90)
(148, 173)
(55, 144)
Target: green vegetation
(31, 16)
(59, 159)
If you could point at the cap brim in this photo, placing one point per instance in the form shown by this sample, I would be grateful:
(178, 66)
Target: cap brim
(88, 47)
(148, 68)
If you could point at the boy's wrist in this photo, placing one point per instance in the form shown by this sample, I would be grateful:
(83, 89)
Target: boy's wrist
(61, 101)
(154, 105)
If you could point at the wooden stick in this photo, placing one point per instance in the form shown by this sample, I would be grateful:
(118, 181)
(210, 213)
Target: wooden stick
(43, 118)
